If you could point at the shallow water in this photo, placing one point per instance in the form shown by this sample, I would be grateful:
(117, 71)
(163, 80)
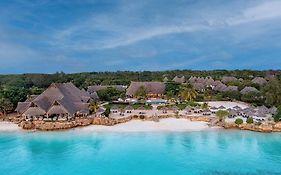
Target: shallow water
(206, 152)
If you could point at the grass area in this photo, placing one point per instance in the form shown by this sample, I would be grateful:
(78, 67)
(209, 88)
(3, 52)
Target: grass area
(135, 106)
(181, 106)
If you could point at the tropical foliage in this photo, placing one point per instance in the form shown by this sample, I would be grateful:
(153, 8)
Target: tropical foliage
(222, 114)
(188, 94)
(238, 121)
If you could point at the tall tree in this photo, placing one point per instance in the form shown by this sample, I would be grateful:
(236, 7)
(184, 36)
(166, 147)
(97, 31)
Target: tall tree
(272, 93)
(93, 107)
(188, 94)
(5, 105)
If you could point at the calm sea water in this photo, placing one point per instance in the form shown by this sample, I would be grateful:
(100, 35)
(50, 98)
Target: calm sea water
(207, 152)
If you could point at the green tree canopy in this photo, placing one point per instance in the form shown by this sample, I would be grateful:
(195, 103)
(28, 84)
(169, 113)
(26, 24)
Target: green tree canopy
(272, 92)
(222, 114)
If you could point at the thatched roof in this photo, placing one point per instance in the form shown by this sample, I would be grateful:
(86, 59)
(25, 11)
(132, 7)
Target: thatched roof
(209, 81)
(230, 88)
(259, 80)
(179, 79)
(198, 86)
(94, 96)
(226, 79)
(150, 87)
(34, 111)
(65, 95)
(165, 79)
(22, 106)
(248, 89)
(220, 87)
(57, 110)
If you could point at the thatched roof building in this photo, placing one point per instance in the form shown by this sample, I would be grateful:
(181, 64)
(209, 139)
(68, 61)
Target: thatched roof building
(220, 87)
(259, 80)
(227, 79)
(57, 99)
(179, 79)
(157, 88)
(248, 90)
(231, 89)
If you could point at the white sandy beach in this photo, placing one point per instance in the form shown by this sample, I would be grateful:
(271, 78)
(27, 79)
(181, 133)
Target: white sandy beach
(8, 126)
(169, 124)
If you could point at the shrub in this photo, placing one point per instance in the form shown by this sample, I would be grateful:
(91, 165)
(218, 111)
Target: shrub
(221, 114)
(238, 121)
(142, 117)
(250, 120)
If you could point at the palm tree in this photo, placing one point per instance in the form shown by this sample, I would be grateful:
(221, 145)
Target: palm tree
(188, 94)
(5, 106)
(93, 107)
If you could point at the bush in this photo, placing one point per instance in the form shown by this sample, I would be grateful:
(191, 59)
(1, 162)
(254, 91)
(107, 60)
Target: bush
(250, 120)
(238, 121)
(106, 112)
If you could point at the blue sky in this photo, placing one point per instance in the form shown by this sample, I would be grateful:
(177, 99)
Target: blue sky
(110, 35)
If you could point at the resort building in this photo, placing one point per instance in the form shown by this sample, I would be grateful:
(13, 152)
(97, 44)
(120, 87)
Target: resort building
(231, 89)
(60, 101)
(248, 90)
(152, 89)
(259, 80)
(227, 79)
(179, 79)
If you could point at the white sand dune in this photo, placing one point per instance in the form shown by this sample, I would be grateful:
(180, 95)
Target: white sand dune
(170, 124)
(8, 126)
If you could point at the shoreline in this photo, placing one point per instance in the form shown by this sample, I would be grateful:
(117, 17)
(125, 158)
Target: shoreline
(166, 124)
(9, 127)
(163, 125)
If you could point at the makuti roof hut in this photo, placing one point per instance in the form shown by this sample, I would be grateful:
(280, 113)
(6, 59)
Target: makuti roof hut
(179, 79)
(231, 89)
(151, 88)
(227, 79)
(248, 90)
(62, 99)
(259, 80)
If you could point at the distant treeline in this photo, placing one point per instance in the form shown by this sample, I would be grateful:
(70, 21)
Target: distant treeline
(83, 80)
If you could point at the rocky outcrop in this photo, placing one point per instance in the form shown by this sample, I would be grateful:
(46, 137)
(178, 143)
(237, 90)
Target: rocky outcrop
(265, 127)
(60, 125)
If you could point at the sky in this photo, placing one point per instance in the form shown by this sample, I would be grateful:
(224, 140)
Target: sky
(47, 36)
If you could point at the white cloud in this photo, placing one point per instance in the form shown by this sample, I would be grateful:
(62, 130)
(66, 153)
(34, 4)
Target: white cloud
(124, 33)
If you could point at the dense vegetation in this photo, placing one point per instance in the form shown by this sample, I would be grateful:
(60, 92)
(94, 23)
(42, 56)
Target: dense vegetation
(15, 88)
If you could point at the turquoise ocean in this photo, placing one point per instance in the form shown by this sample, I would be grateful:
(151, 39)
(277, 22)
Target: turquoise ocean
(222, 152)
